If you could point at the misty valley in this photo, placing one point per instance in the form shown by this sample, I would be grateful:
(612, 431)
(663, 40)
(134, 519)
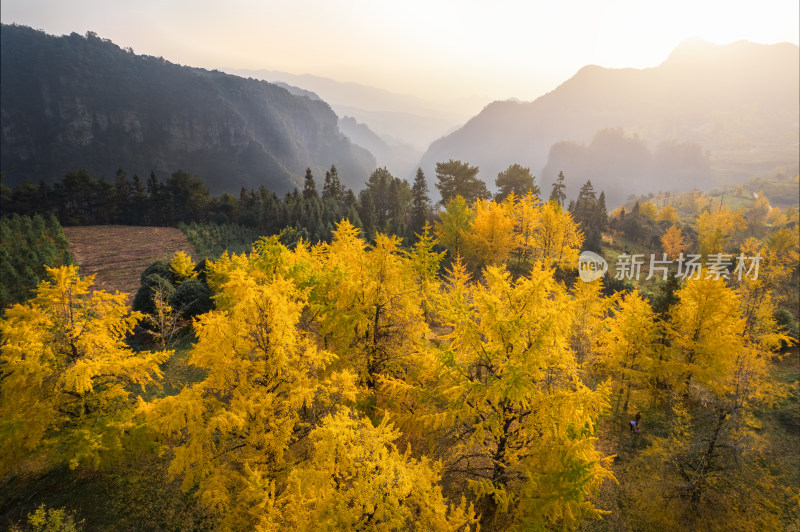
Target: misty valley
(245, 299)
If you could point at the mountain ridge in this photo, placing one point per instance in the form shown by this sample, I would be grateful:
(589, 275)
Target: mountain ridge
(730, 100)
(75, 102)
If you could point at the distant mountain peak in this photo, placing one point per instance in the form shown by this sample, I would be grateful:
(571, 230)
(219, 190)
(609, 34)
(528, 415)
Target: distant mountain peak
(692, 45)
(709, 114)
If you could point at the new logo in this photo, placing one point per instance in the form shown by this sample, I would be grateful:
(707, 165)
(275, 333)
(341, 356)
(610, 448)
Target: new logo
(591, 266)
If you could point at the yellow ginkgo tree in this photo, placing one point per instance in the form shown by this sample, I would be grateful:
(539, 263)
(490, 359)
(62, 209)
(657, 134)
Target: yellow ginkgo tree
(518, 423)
(182, 267)
(491, 238)
(525, 211)
(673, 242)
(627, 348)
(556, 238)
(424, 264)
(591, 308)
(706, 463)
(357, 479)
(705, 333)
(266, 385)
(367, 304)
(66, 374)
(454, 226)
(715, 230)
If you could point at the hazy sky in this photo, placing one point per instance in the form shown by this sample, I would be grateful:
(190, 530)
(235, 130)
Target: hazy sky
(434, 49)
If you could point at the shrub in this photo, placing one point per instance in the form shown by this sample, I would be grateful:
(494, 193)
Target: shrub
(193, 298)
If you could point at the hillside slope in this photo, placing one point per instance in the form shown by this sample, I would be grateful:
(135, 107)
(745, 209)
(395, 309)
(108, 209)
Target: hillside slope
(398, 157)
(407, 119)
(82, 102)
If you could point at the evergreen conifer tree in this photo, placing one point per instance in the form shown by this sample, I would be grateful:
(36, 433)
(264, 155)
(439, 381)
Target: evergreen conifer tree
(420, 205)
(309, 187)
(558, 194)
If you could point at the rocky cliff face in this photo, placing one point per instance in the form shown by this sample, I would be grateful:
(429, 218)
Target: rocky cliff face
(78, 102)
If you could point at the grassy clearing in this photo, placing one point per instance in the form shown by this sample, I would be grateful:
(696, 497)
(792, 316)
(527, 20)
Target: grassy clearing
(136, 494)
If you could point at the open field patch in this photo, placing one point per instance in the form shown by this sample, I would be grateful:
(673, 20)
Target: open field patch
(118, 254)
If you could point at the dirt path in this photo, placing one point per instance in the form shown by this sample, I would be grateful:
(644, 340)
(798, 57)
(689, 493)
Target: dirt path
(118, 254)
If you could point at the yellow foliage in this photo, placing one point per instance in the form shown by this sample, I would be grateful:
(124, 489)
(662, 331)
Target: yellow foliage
(695, 202)
(760, 295)
(455, 225)
(590, 310)
(627, 350)
(265, 381)
(182, 267)
(706, 472)
(424, 264)
(516, 408)
(66, 371)
(715, 230)
(491, 237)
(776, 218)
(311, 352)
(783, 247)
(518, 231)
(556, 238)
(758, 211)
(525, 212)
(705, 333)
(164, 320)
(672, 242)
(366, 303)
(668, 214)
(357, 479)
(649, 210)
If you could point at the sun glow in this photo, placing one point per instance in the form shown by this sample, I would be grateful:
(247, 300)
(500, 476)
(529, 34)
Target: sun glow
(437, 49)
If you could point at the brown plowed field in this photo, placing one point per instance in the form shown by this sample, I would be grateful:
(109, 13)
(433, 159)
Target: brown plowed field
(118, 253)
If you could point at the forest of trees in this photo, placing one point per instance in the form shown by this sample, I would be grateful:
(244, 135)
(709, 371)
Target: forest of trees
(27, 245)
(387, 203)
(80, 199)
(341, 375)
